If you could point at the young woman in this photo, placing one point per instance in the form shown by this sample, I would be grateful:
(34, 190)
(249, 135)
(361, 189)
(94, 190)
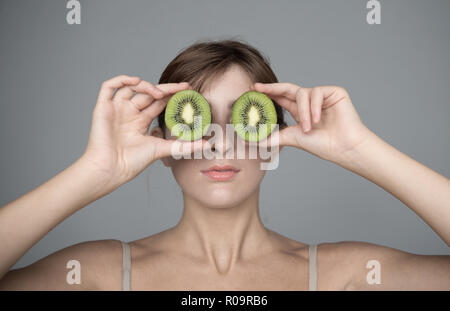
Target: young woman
(220, 242)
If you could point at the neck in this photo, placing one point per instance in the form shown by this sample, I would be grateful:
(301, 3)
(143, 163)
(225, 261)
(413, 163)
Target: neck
(223, 235)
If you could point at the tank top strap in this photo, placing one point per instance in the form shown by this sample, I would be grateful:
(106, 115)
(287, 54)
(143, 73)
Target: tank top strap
(126, 266)
(313, 267)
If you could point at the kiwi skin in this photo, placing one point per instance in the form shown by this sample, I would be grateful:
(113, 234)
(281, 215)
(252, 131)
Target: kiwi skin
(198, 107)
(267, 115)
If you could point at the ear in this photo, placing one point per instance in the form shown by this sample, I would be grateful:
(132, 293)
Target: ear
(158, 132)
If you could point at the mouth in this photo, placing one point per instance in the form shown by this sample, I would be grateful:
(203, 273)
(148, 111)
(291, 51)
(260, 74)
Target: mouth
(221, 173)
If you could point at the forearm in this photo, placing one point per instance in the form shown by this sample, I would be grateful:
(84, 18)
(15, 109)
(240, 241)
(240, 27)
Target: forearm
(423, 190)
(24, 221)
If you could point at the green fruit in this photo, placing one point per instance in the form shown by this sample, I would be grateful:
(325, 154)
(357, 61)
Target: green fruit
(188, 115)
(254, 116)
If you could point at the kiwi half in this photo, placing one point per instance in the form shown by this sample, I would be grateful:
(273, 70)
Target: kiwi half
(253, 116)
(188, 115)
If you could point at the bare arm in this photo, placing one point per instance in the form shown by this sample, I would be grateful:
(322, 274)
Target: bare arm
(423, 190)
(118, 150)
(420, 188)
(377, 267)
(329, 127)
(26, 220)
(100, 264)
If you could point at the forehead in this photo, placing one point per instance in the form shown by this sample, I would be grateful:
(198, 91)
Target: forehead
(229, 85)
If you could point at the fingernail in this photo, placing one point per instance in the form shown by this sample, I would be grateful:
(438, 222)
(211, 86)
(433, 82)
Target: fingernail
(306, 127)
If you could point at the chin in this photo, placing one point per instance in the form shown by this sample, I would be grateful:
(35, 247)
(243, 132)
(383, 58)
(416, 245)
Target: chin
(219, 196)
(221, 204)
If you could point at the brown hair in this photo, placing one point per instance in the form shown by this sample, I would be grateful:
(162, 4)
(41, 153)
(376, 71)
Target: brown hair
(205, 60)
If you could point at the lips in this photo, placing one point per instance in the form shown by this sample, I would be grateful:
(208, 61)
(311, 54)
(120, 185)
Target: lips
(221, 173)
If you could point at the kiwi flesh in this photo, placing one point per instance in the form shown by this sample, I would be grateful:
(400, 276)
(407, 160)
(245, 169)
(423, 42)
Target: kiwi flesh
(253, 116)
(188, 115)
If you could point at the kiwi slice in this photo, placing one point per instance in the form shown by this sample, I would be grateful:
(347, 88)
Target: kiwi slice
(253, 116)
(188, 115)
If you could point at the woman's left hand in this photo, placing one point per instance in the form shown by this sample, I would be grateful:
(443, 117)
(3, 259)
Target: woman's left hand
(327, 126)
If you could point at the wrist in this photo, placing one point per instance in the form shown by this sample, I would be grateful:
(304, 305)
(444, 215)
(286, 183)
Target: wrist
(357, 158)
(99, 182)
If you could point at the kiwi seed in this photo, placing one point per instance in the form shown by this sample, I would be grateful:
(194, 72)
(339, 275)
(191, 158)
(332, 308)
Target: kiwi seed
(253, 116)
(188, 115)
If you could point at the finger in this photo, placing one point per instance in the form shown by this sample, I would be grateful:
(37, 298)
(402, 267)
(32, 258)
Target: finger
(178, 148)
(289, 105)
(153, 110)
(304, 109)
(271, 141)
(288, 136)
(146, 94)
(109, 86)
(123, 93)
(277, 89)
(286, 102)
(278, 139)
(316, 104)
(171, 88)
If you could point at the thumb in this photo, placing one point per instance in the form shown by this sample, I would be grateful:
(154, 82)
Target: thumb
(274, 140)
(292, 136)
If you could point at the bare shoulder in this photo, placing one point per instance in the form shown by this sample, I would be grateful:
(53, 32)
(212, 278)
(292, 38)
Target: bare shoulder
(340, 264)
(289, 245)
(354, 265)
(99, 265)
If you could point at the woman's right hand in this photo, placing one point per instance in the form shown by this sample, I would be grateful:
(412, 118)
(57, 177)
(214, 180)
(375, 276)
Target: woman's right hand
(119, 147)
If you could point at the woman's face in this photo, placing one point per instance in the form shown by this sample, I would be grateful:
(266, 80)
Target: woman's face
(197, 178)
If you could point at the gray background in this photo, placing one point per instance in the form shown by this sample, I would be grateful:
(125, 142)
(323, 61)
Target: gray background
(397, 74)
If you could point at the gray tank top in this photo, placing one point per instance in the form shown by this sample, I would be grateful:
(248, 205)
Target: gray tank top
(126, 267)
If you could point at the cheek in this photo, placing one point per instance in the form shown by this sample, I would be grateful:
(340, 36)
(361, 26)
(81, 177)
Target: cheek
(251, 171)
(186, 171)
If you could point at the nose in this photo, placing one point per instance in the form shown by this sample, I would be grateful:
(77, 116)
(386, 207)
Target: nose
(222, 143)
